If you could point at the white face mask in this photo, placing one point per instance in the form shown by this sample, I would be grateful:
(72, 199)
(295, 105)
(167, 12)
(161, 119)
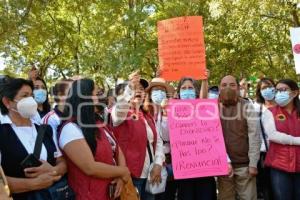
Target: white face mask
(27, 107)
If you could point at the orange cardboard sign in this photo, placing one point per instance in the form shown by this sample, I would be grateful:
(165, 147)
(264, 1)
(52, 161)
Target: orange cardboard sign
(181, 48)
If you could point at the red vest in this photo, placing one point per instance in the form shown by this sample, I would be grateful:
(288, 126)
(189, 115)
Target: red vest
(91, 188)
(132, 138)
(285, 157)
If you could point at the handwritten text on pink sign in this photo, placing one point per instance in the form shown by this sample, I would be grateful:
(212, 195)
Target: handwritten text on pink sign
(196, 138)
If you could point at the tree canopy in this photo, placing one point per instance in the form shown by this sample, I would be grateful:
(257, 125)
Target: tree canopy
(108, 39)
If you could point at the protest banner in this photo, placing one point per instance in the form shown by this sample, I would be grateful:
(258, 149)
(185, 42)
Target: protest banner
(181, 48)
(196, 139)
(295, 38)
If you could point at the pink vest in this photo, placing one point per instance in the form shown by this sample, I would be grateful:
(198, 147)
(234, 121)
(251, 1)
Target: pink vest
(285, 157)
(132, 138)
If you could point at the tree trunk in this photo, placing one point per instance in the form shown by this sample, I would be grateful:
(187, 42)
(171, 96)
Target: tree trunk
(76, 58)
(62, 73)
(28, 9)
(76, 55)
(130, 4)
(42, 71)
(295, 18)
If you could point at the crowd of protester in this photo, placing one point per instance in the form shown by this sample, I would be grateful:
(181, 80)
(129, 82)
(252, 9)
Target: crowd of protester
(75, 141)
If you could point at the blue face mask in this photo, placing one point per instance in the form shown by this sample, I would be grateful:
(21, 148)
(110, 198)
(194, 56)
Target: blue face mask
(187, 94)
(268, 93)
(213, 95)
(158, 96)
(282, 98)
(40, 95)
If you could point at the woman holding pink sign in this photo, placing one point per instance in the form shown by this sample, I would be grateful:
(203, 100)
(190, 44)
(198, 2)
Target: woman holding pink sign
(196, 188)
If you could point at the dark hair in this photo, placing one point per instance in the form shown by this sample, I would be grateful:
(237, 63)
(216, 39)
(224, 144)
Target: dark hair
(213, 88)
(10, 89)
(111, 93)
(294, 87)
(120, 88)
(81, 93)
(46, 104)
(194, 82)
(3, 80)
(60, 88)
(259, 97)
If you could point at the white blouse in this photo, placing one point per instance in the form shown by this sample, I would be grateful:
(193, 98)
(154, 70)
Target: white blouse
(273, 134)
(27, 136)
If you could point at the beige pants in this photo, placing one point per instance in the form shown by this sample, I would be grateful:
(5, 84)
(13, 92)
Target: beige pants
(241, 185)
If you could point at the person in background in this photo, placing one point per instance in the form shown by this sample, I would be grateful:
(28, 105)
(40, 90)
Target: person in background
(239, 124)
(111, 99)
(106, 113)
(281, 123)
(157, 95)
(94, 158)
(244, 87)
(33, 73)
(265, 95)
(60, 92)
(136, 132)
(40, 94)
(18, 135)
(120, 88)
(213, 92)
(101, 109)
(3, 80)
(197, 188)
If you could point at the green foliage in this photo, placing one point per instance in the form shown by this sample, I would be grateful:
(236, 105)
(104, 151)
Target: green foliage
(111, 38)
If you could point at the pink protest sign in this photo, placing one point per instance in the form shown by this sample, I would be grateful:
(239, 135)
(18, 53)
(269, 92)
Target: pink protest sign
(197, 143)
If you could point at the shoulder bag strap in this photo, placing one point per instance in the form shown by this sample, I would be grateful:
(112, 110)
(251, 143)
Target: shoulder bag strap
(262, 128)
(149, 152)
(39, 140)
